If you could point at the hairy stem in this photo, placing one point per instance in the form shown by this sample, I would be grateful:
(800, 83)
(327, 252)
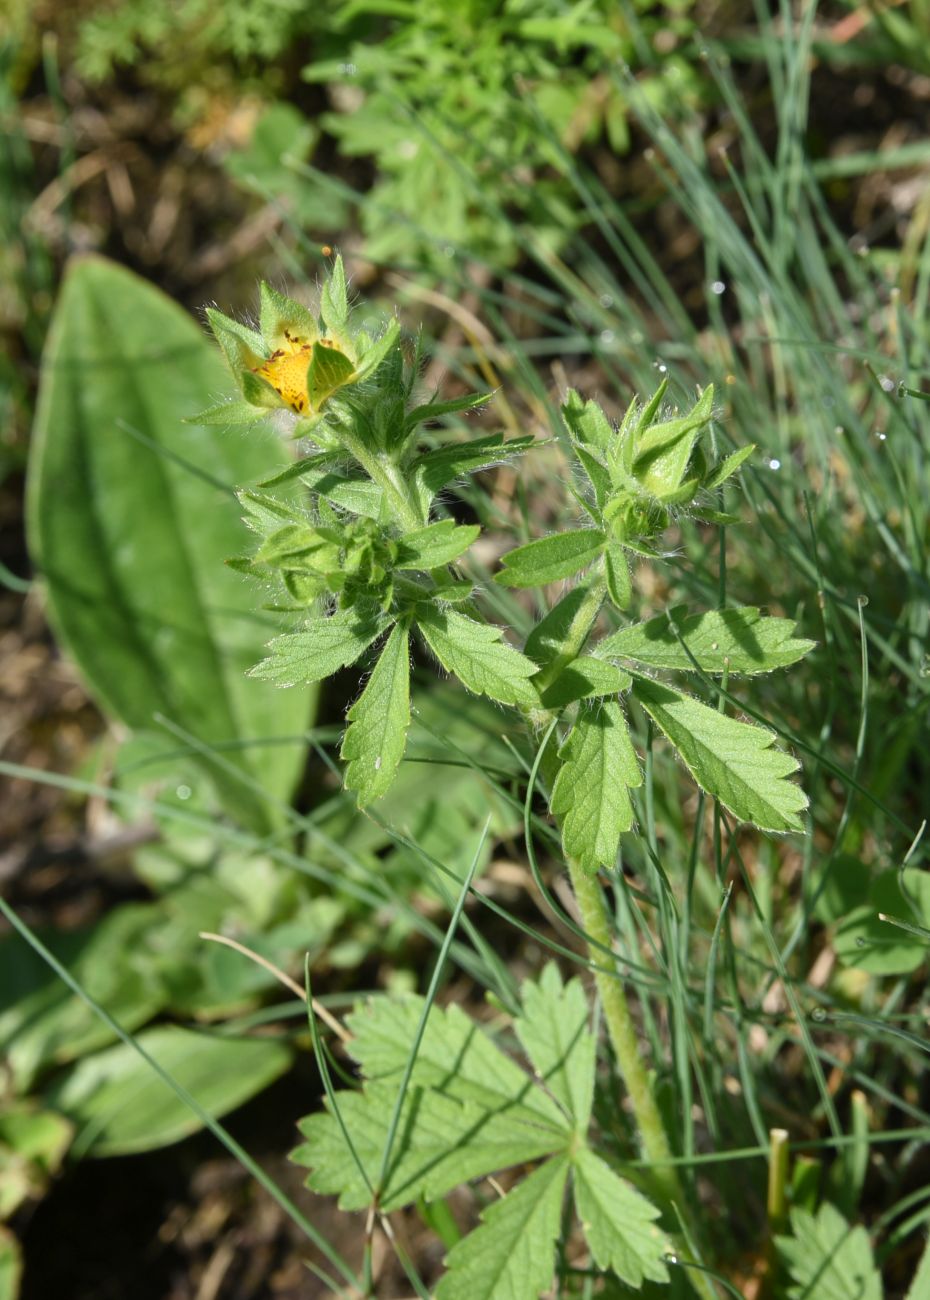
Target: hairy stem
(628, 1052)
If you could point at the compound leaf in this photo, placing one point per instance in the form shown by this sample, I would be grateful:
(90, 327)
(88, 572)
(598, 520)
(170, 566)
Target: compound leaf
(733, 761)
(591, 792)
(378, 721)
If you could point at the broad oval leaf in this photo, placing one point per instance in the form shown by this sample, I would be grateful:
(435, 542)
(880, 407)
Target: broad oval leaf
(131, 517)
(550, 558)
(125, 1107)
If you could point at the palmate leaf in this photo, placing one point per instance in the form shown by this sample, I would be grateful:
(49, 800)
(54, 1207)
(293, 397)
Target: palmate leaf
(828, 1259)
(440, 1143)
(455, 1057)
(733, 761)
(378, 721)
(511, 1256)
(476, 654)
(733, 640)
(619, 1223)
(322, 647)
(591, 791)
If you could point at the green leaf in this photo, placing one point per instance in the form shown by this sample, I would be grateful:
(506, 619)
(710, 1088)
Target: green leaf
(321, 648)
(511, 1256)
(867, 942)
(550, 558)
(435, 545)
(619, 1223)
(43, 1023)
(584, 678)
(124, 1107)
(33, 1144)
(551, 635)
(455, 1058)
(241, 346)
(828, 1259)
(729, 640)
(441, 1143)
(553, 1029)
(733, 761)
(378, 721)
(329, 370)
(617, 571)
(435, 410)
(597, 473)
(727, 467)
(476, 654)
(434, 470)
(131, 532)
(590, 796)
(354, 492)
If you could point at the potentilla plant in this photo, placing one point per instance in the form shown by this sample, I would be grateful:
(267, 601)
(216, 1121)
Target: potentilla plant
(364, 565)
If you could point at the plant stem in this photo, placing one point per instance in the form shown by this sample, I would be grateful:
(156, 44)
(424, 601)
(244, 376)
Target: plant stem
(388, 476)
(630, 1060)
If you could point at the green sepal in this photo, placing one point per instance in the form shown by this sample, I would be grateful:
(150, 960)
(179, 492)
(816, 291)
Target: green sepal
(376, 352)
(242, 346)
(334, 303)
(329, 370)
(227, 413)
(259, 392)
(280, 316)
(663, 450)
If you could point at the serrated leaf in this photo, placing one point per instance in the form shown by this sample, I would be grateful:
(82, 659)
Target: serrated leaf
(551, 635)
(511, 1256)
(584, 678)
(828, 1259)
(455, 1058)
(321, 648)
(618, 1222)
(434, 410)
(550, 558)
(727, 467)
(590, 796)
(478, 656)
(329, 370)
(378, 720)
(617, 572)
(434, 470)
(729, 640)
(435, 545)
(555, 1034)
(733, 761)
(441, 1142)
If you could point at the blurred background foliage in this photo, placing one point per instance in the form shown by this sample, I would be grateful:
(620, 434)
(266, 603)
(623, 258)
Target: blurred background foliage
(588, 193)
